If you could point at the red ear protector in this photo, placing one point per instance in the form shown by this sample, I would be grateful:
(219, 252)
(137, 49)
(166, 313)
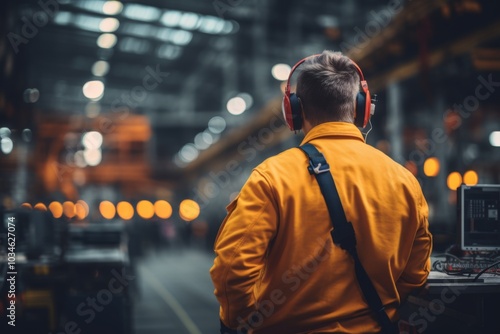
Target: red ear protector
(292, 107)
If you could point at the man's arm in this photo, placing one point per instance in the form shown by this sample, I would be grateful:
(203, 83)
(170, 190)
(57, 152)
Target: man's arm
(419, 263)
(240, 248)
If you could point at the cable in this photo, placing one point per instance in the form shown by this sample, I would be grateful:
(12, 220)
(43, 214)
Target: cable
(371, 128)
(485, 269)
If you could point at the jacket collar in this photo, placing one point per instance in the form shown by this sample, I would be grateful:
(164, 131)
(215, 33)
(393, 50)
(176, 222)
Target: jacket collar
(333, 130)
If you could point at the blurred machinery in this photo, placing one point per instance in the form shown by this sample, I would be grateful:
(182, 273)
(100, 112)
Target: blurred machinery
(61, 277)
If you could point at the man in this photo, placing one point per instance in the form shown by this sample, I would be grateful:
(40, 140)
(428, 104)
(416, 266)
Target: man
(277, 269)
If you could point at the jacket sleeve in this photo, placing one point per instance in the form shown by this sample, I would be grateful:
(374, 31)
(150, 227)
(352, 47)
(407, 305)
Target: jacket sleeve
(419, 263)
(240, 248)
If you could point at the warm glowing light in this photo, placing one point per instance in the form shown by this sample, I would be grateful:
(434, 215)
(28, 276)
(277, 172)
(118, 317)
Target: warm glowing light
(92, 140)
(92, 157)
(281, 71)
(26, 206)
(112, 7)
(471, 178)
(163, 209)
(57, 209)
(125, 210)
(236, 105)
(107, 209)
(431, 167)
(454, 180)
(145, 209)
(107, 41)
(93, 90)
(109, 24)
(69, 209)
(40, 207)
(81, 209)
(189, 210)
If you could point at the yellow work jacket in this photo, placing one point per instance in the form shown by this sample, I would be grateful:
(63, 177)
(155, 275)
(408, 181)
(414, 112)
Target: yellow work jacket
(277, 270)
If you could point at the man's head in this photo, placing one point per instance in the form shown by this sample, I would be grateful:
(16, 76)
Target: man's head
(327, 87)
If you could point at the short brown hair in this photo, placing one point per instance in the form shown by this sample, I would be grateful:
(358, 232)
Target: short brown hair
(327, 86)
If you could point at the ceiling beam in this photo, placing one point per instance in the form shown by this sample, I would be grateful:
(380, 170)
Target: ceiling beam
(461, 46)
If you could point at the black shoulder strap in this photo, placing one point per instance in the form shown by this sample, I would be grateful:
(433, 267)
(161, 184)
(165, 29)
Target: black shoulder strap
(343, 233)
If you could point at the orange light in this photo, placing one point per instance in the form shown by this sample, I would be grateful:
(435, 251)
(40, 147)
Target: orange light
(85, 207)
(26, 206)
(431, 167)
(40, 207)
(69, 209)
(57, 209)
(80, 211)
(107, 209)
(471, 178)
(454, 180)
(145, 209)
(189, 210)
(163, 209)
(125, 210)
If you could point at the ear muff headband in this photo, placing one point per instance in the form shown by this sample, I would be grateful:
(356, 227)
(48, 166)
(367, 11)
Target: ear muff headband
(292, 109)
(291, 103)
(363, 101)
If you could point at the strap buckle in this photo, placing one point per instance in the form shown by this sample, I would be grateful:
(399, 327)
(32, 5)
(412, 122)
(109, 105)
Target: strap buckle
(320, 168)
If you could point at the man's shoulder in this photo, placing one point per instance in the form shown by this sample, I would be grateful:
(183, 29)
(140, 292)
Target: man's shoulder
(394, 168)
(284, 161)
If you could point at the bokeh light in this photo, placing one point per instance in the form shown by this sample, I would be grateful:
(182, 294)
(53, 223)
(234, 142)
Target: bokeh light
(125, 210)
(40, 207)
(454, 180)
(163, 209)
(93, 90)
(471, 178)
(69, 209)
(236, 106)
(56, 208)
(107, 209)
(281, 71)
(189, 210)
(431, 167)
(81, 209)
(145, 209)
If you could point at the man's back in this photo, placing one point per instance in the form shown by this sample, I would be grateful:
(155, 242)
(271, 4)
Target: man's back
(307, 283)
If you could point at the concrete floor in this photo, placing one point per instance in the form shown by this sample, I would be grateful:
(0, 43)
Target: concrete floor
(175, 293)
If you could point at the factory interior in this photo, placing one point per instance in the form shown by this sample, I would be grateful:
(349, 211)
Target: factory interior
(127, 127)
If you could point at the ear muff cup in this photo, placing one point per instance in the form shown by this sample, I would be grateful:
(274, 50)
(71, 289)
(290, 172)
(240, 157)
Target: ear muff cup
(296, 110)
(359, 120)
